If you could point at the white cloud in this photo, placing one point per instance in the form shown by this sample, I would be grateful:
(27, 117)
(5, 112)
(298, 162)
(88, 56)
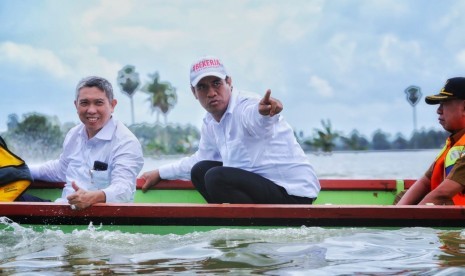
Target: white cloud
(461, 57)
(30, 58)
(298, 20)
(395, 53)
(143, 36)
(306, 51)
(384, 8)
(89, 60)
(342, 51)
(321, 86)
(107, 11)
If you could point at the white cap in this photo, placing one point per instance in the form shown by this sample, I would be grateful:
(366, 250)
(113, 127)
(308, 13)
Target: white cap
(207, 66)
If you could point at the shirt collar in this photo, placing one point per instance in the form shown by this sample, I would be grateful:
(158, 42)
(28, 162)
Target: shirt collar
(456, 136)
(105, 133)
(232, 102)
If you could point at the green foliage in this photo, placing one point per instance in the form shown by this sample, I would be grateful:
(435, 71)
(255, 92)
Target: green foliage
(171, 139)
(380, 141)
(128, 79)
(163, 95)
(12, 121)
(155, 147)
(355, 141)
(427, 139)
(327, 140)
(325, 137)
(35, 136)
(399, 142)
(38, 136)
(41, 137)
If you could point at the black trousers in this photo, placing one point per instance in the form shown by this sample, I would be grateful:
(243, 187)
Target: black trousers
(31, 198)
(218, 184)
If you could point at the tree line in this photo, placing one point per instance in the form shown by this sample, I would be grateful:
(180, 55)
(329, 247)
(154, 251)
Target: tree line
(38, 136)
(327, 139)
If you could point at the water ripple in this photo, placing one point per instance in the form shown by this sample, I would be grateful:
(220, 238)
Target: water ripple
(284, 251)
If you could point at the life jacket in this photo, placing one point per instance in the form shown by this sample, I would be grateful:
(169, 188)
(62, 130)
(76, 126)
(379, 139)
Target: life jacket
(15, 176)
(445, 161)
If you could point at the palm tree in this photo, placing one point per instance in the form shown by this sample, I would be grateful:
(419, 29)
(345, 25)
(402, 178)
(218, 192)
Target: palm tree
(128, 80)
(163, 96)
(325, 138)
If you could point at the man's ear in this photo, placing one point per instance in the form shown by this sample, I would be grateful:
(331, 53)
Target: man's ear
(193, 92)
(113, 104)
(463, 108)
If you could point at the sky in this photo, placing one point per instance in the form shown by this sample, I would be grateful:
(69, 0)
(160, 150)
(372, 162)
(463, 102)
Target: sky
(346, 61)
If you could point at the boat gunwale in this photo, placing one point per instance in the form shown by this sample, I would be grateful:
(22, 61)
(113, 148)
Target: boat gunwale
(326, 184)
(233, 210)
(275, 215)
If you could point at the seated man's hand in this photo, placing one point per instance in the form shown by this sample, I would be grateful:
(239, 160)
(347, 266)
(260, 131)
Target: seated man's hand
(151, 178)
(82, 199)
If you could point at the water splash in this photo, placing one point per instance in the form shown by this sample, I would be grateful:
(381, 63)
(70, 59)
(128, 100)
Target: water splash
(285, 251)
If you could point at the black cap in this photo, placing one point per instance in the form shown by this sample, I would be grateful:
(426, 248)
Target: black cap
(453, 89)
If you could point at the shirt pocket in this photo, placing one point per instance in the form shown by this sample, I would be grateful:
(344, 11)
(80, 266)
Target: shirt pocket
(238, 155)
(101, 179)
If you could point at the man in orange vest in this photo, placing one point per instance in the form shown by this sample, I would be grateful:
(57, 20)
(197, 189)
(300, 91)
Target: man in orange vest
(444, 182)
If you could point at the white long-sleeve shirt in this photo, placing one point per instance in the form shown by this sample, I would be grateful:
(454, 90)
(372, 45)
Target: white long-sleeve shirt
(114, 144)
(247, 140)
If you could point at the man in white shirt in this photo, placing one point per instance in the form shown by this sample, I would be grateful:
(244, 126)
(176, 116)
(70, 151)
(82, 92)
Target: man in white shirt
(101, 157)
(247, 152)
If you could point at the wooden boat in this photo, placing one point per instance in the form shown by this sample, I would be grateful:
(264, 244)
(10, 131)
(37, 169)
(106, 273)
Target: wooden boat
(176, 207)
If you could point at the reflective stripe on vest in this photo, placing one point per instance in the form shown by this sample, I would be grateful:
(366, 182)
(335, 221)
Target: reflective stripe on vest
(445, 161)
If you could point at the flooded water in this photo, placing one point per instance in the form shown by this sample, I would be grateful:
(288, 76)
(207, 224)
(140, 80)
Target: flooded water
(299, 251)
(359, 165)
(291, 251)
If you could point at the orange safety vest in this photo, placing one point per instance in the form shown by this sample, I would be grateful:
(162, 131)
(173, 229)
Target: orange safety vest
(445, 161)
